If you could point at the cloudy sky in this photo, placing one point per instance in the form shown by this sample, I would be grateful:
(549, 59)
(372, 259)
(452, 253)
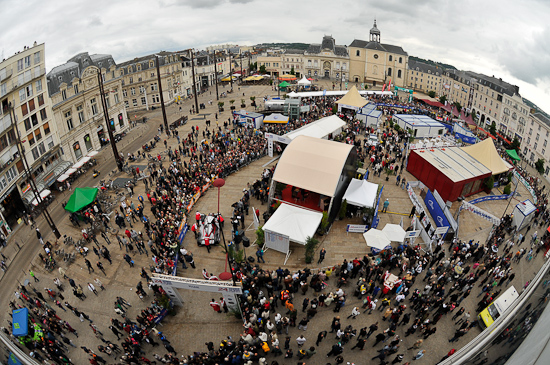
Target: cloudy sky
(507, 39)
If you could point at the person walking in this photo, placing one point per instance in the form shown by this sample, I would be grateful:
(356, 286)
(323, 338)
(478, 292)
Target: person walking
(420, 354)
(100, 267)
(322, 254)
(91, 288)
(385, 206)
(89, 265)
(33, 276)
(413, 210)
(99, 283)
(215, 305)
(354, 313)
(260, 255)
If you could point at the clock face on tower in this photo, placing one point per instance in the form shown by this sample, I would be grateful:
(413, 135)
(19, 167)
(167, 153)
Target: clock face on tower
(375, 56)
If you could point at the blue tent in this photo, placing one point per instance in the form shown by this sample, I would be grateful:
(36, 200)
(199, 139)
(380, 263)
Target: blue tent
(20, 322)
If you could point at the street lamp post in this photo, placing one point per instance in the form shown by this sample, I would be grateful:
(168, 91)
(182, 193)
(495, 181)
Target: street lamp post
(216, 74)
(118, 160)
(161, 96)
(218, 183)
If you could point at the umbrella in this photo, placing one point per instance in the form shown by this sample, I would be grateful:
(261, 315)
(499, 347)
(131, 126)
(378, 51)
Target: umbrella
(287, 77)
(376, 239)
(42, 195)
(394, 232)
(309, 79)
(80, 199)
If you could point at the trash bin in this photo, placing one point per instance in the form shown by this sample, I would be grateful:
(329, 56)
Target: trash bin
(246, 241)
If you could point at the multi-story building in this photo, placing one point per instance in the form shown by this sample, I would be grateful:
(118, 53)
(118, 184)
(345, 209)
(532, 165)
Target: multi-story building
(514, 115)
(457, 87)
(23, 97)
(140, 88)
(272, 63)
(424, 77)
(534, 144)
(77, 106)
(327, 60)
(376, 63)
(293, 61)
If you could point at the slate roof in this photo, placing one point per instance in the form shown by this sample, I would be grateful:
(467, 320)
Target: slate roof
(328, 43)
(358, 43)
(74, 68)
(295, 51)
(424, 67)
(495, 84)
(543, 118)
(144, 62)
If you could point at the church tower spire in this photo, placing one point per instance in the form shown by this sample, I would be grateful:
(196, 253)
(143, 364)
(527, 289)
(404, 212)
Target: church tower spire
(374, 33)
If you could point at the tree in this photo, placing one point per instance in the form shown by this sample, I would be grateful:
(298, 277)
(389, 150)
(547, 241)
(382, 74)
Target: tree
(262, 69)
(515, 144)
(458, 106)
(539, 165)
(311, 243)
(431, 94)
(292, 72)
(254, 66)
(493, 128)
(490, 183)
(442, 99)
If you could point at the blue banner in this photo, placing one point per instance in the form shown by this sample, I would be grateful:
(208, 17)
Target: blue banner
(489, 197)
(375, 219)
(435, 210)
(464, 134)
(395, 106)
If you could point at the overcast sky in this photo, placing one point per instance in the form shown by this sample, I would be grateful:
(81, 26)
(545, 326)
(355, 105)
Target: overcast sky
(507, 39)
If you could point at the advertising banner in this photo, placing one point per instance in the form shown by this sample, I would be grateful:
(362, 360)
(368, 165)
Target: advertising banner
(435, 210)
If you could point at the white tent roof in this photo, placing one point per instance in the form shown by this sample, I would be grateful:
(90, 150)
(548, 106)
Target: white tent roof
(361, 193)
(296, 223)
(376, 239)
(304, 81)
(319, 129)
(394, 232)
(313, 164)
(292, 94)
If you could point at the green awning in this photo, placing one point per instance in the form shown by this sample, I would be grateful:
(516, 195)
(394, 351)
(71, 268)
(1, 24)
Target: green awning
(284, 84)
(81, 198)
(513, 155)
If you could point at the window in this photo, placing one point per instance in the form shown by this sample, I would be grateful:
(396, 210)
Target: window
(358, 53)
(28, 125)
(77, 150)
(40, 99)
(389, 72)
(31, 105)
(38, 85)
(24, 109)
(43, 114)
(133, 91)
(34, 120)
(80, 112)
(27, 61)
(88, 142)
(30, 138)
(107, 101)
(11, 174)
(535, 145)
(22, 95)
(94, 106)
(398, 74)
(37, 135)
(143, 100)
(64, 94)
(126, 104)
(120, 120)
(400, 59)
(49, 143)
(134, 102)
(154, 87)
(545, 142)
(116, 98)
(20, 65)
(391, 58)
(75, 87)
(46, 128)
(125, 93)
(37, 57)
(131, 80)
(69, 120)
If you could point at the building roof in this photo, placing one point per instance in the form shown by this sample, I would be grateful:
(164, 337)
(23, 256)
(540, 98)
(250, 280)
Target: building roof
(453, 162)
(495, 84)
(74, 68)
(313, 164)
(358, 43)
(319, 129)
(374, 29)
(328, 43)
(131, 66)
(353, 99)
(543, 118)
(425, 67)
(295, 51)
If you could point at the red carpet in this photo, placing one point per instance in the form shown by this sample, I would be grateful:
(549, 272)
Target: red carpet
(312, 201)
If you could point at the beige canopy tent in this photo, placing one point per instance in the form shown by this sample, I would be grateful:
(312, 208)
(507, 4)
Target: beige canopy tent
(313, 164)
(352, 100)
(486, 153)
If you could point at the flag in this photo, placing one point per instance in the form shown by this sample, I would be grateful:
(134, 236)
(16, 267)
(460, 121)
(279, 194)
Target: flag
(384, 88)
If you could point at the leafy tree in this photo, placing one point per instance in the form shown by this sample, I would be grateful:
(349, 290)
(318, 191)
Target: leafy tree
(254, 66)
(458, 106)
(442, 99)
(292, 72)
(311, 243)
(262, 69)
(490, 184)
(508, 189)
(431, 94)
(539, 165)
(493, 128)
(515, 144)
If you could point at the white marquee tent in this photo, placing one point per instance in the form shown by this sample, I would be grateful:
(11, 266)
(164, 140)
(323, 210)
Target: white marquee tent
(376, 239)
(321, 128)
(290, 223)
(304, 82)
(394, 232)
(361, 193)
